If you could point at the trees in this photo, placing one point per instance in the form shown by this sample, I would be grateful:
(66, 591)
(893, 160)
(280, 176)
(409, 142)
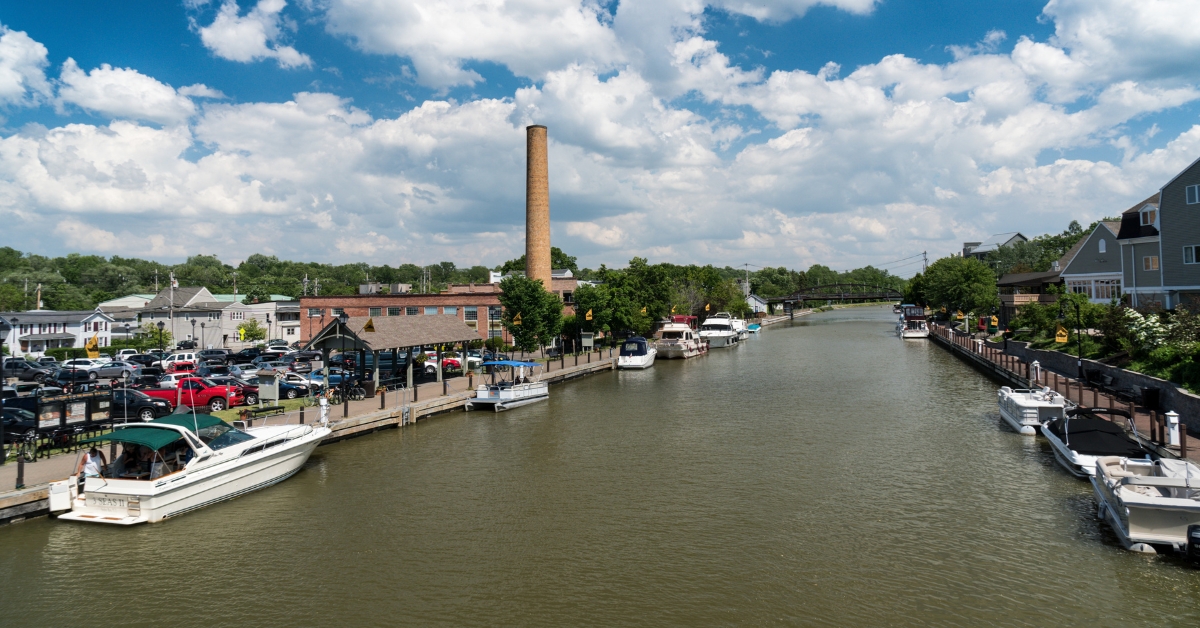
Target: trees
(961, 283)
(253, 331)
(914, 291)
(540, 312)
(558, 260)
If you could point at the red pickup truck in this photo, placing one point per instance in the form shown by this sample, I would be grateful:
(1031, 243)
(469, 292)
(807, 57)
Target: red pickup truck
(195, 392)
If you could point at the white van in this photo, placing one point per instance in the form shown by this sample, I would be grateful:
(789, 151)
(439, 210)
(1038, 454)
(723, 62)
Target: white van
(166, 362)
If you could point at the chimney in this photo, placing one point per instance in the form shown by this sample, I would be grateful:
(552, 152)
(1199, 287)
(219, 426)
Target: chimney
(537, 206)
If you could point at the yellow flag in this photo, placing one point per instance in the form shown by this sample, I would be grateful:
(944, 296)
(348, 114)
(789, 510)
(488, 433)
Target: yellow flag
(643, 310)
(588, 316)
(370, 326)
(1060, 334)
(959, 314)
(672, 309)
(93, 346)
(995, 321)
(705, 307)
(517, 319)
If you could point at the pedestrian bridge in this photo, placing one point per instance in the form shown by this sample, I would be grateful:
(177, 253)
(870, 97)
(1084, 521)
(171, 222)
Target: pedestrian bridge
(840, 293)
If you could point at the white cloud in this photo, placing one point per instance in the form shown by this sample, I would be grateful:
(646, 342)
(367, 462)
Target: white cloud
(530, 37)
(200, 90)
(122, 93)
(22, 68)
(253, 36)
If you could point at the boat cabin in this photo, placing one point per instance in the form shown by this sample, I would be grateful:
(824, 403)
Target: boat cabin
(913, 312)
(164, 446)
(637, 346)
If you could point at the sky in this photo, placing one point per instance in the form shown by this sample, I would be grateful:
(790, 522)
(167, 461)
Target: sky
(731, 132)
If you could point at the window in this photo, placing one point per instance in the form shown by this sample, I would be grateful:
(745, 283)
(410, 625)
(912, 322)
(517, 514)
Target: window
(237, 316)
(1080, 287)
(290, 331)
(451, 310)
(430, 310)
(495, 333)
(375, 311)
(1103, 246)
(393, 311)
(1148, 216)
(568, 296)
(1150, 262)
(1107, 289)
(1189, 254)
(410, 310)
(337, 311)
(494, 312)
(1193, 194)
(314, 312)
(471, 313)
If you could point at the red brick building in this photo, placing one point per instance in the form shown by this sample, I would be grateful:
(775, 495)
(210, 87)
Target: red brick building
(479, 309)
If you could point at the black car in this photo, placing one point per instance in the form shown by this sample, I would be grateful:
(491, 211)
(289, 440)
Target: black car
(208, 369)
(66, 376)
(17, 422)
(134, 404)
(245, 356)
(186, 344)
(144, 359)
(214, 355)
(26, 371)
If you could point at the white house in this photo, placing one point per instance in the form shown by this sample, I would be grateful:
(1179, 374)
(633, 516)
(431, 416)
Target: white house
(33, 332)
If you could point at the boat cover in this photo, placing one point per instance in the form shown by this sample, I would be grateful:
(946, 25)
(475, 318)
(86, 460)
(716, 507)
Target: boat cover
(1096, 437)
(151, 437)
(634, 346)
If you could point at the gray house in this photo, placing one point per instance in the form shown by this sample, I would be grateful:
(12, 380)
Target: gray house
(1093, 265)
(979, 250)
(1179, 233)
(1141, 255)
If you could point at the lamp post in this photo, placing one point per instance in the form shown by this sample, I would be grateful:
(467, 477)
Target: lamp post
(193, 332)
(202, 345)
(1078, 337)
(160, 340)
(342, 320)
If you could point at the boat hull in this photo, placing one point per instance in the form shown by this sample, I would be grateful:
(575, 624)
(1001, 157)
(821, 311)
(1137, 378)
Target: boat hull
(914, 334)
(637, 361)
(113, 501)
(501, 399)
(679, 352)
(1079, 465)
(1141, 522)
(723, 340)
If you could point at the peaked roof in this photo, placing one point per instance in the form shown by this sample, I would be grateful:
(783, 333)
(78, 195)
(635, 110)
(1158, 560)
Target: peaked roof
(996, 241)
(395, 332)
(1112, 225)
(1131, 223)
(53, 316)
(183, 297)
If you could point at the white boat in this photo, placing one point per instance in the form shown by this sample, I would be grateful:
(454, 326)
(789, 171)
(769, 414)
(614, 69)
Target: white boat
(522, 387)
(1081, 437)
(678, 341)
(182, 462)
(718, 331)
(754, 328)
(636, 353)
(1027, 410)
(739, 326)
(912, 323)
(1148, 503)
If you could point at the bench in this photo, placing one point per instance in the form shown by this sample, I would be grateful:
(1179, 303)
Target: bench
(1102, 381)
(254, 413)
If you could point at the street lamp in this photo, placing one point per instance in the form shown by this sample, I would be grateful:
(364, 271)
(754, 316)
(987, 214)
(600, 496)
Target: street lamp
(160, 340)
(1078, 337)
(202, 345)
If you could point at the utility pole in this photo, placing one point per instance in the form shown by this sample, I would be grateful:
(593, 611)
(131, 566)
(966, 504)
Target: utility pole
(171, 306)
(304, 289)
(924, 261)
(234, 287)
(25, 296)
(155, 281)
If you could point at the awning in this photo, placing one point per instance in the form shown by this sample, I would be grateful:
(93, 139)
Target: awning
(393, 332)
(48, 337)
(190, 421)
(152, 437)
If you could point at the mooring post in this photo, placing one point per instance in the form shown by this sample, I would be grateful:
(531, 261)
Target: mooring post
(1153, 426)
(1183, 441)
(301, 415)
(20, 471)
(382, 399)
(346, 405)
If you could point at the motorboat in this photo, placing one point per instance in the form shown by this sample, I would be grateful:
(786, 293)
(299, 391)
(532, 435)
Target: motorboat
(1027, 410)
(896, 309)
(912, 323)
(1081, 437)
(678, 341)
(636, 353)
(754, 328)
(1148, 503)
(179, 463)
(521, 388)
(718, 330)
(739, 326)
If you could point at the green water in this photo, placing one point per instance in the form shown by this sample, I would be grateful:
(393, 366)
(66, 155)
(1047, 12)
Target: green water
(825, 472)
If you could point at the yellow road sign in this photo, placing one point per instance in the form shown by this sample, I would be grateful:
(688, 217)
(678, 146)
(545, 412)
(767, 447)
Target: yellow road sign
(588, 316)
(995, 321)
(705, 307)
(1060, 334)
(643, 310)
(517, 319)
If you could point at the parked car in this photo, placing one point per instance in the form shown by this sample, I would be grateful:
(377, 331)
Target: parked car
(249, 391)
(26, 371)
(165, 363)
(219, 355)
(186, 344)
(49, 361)
(276, 351)
(208, 370)
(85, 364)
(297, 363)
(287, 390)
(245, 356)
(118, 369)
(124, 354)
(70, 376)
(241, 370)
(274, 366)
(195, 392)
(17, 422)
(278, 342)
(144, 359)
(181, 367)
(134, 404)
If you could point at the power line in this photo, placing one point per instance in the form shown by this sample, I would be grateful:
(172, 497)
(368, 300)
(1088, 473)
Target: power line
(900, 260)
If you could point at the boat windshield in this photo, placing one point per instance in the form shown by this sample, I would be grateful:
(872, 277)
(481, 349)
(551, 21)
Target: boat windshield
(633, 348)
(714, 327)
(672, 335)
(221, 436)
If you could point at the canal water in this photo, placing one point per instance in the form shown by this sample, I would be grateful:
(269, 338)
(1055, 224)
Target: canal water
(825, 472)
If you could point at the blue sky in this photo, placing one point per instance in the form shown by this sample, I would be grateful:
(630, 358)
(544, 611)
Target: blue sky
(770, 132)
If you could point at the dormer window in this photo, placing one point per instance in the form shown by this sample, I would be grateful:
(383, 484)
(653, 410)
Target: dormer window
(1103, 246)
(1149, 214)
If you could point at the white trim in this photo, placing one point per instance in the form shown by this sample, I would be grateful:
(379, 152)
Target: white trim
(1178, 288)
(1141, 240)
(1146, 290)
(1112, 273)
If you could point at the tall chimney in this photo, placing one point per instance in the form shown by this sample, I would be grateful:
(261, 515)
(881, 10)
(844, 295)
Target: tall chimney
(537, 206)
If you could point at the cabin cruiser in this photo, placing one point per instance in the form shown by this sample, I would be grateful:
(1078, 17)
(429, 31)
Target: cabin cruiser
(739, 326)
(912, 323)
(1148, 503)
(678, 340)
(521, 389)
(179, 463)
(1027, 410)
(718, 330)
(636, 353)
(1081, 437)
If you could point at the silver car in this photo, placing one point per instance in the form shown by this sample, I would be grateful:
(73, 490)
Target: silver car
(119, 370)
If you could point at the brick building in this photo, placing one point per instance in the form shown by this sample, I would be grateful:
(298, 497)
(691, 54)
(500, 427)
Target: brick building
(478, 308)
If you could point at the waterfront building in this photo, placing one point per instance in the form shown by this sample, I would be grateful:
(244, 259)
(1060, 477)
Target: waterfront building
(980, 250)
(477, 305)
(35, 331)
(1093, 266)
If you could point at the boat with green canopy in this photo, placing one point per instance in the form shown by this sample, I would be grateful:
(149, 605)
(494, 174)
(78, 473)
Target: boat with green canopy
(179, 463)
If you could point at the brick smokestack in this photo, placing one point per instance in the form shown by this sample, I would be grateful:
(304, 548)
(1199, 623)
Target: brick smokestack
(537, 206)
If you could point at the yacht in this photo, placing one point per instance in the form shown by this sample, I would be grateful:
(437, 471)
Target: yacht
(679, 340)
(636, 353)
(521, 389)
(739, 326)
(1027, 410)
(718, 330)
(1148, 503)
(912, 323)
(179, 463)
(1081, 437)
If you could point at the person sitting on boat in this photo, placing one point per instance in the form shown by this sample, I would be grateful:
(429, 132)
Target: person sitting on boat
(93, 464)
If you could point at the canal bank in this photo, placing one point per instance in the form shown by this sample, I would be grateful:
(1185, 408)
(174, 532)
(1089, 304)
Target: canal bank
(822, 473)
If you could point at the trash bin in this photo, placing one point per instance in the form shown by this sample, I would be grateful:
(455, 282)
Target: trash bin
(1150, 398)
(369, 387)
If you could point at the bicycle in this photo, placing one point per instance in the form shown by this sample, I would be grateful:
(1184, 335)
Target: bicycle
(357, 393)
(27, 446)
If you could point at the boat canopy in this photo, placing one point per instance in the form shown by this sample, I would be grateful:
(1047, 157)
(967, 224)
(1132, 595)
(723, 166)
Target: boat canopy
(634, 346)
(511, 363)
(189, 421)
(1095, 437)
(154, 438)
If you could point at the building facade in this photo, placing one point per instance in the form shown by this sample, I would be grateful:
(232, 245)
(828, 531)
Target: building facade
(1093, 266)
(479, 308)
(33, 332)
